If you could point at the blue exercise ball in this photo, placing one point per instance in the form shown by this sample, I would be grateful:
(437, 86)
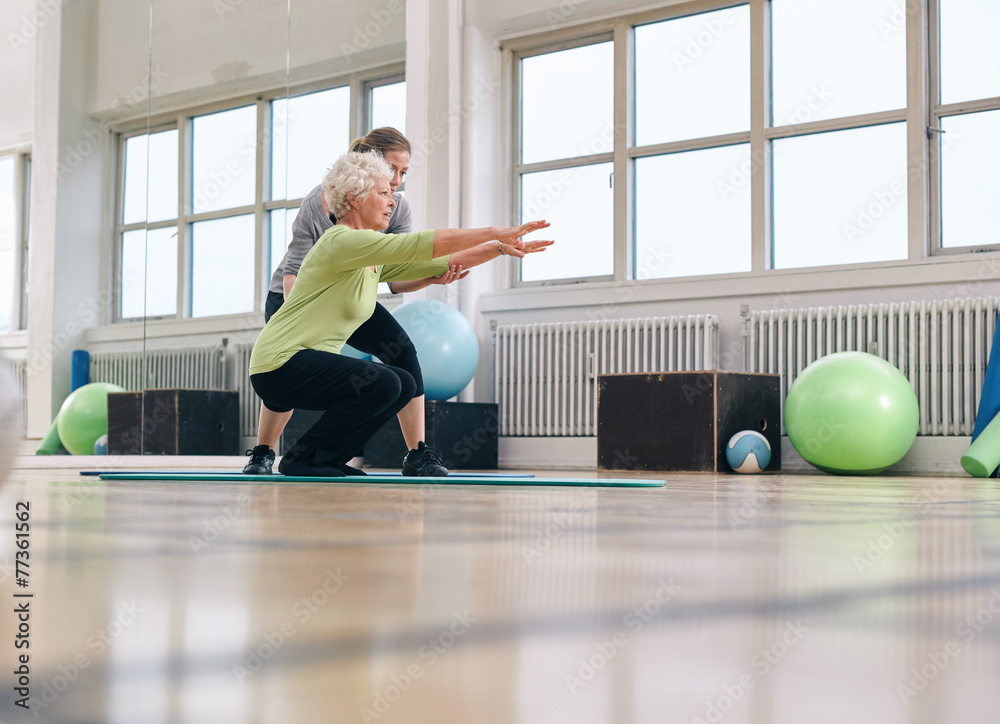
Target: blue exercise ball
(748, 452)
(446, 345)
(101, 445)
(349, 351)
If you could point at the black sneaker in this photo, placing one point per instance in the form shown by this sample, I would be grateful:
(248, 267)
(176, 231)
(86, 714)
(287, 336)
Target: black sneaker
(261, 461)
(424, 463)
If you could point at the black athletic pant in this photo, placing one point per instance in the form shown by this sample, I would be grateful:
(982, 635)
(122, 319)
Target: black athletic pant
(380, 335)
(358, 398)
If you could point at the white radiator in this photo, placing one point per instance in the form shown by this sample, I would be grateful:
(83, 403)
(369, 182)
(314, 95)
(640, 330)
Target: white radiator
(941, 346)
(546, 374)
(18, 371)
(249, 402)
(196, 368)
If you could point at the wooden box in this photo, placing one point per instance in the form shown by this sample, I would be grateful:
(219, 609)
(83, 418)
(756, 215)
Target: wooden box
(464, 434)
(682, 421)
(174, 422)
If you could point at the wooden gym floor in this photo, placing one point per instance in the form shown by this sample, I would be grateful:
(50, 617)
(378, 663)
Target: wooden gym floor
(780, 599)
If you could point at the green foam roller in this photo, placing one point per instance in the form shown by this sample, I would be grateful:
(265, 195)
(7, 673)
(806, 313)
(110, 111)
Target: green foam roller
(983, 456)
(51, 444)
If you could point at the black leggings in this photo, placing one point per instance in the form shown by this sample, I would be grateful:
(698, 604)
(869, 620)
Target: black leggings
(358, 398)
(380, 335)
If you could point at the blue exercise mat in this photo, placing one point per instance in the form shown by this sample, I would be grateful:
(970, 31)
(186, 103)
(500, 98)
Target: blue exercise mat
(240, 478)
(456, 474)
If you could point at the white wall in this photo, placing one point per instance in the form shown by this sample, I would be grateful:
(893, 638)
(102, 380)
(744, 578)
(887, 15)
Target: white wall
(18, 30)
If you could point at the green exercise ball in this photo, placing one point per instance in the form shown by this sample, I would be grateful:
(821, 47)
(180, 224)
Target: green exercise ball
(83, 417)
(851, 413)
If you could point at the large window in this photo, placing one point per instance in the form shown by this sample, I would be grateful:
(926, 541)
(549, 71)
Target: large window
(564, 166)
(14, 184)
(966, 114)
(200, 231)
(759, 136)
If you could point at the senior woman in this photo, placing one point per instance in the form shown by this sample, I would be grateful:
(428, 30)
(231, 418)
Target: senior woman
(295, 361)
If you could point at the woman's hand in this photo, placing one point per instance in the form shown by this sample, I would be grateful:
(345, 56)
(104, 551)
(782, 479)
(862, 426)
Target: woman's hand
(527, 247)
(511, 235)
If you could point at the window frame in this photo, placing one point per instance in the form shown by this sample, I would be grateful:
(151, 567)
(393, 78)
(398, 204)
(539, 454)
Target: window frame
(520, 169)
(359, 84)
(365, 122)
(936, 112)
(920, 115)
(18, 320)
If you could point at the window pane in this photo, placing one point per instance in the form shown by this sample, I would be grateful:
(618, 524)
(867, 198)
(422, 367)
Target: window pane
(162, 154)
(224, 159)
(823, 53)
(970, 188)
(567, 103)
(692, 213)
(280, 222)
(692, 77)
(308, 133)
(389, 106)
(840, 197)
(8, 241)
(970, 54)
(222, 266)
(154, 278)
(579, 204)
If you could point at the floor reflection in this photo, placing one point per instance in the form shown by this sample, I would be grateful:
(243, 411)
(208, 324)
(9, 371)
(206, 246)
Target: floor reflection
(717, 598)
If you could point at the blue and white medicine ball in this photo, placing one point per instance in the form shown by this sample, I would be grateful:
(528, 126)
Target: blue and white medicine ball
(748, 452)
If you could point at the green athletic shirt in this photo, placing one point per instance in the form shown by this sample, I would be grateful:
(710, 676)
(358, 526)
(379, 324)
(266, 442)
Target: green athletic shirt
(336, 289)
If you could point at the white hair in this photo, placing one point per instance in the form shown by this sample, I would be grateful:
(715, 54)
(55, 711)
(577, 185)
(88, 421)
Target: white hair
(355, 173)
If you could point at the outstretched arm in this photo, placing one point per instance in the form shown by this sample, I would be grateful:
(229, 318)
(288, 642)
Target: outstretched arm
(449, 241)
(462, 260)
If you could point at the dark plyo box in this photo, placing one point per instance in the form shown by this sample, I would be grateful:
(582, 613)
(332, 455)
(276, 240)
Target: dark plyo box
(682, 421)
(464, 434)
(174, 422)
